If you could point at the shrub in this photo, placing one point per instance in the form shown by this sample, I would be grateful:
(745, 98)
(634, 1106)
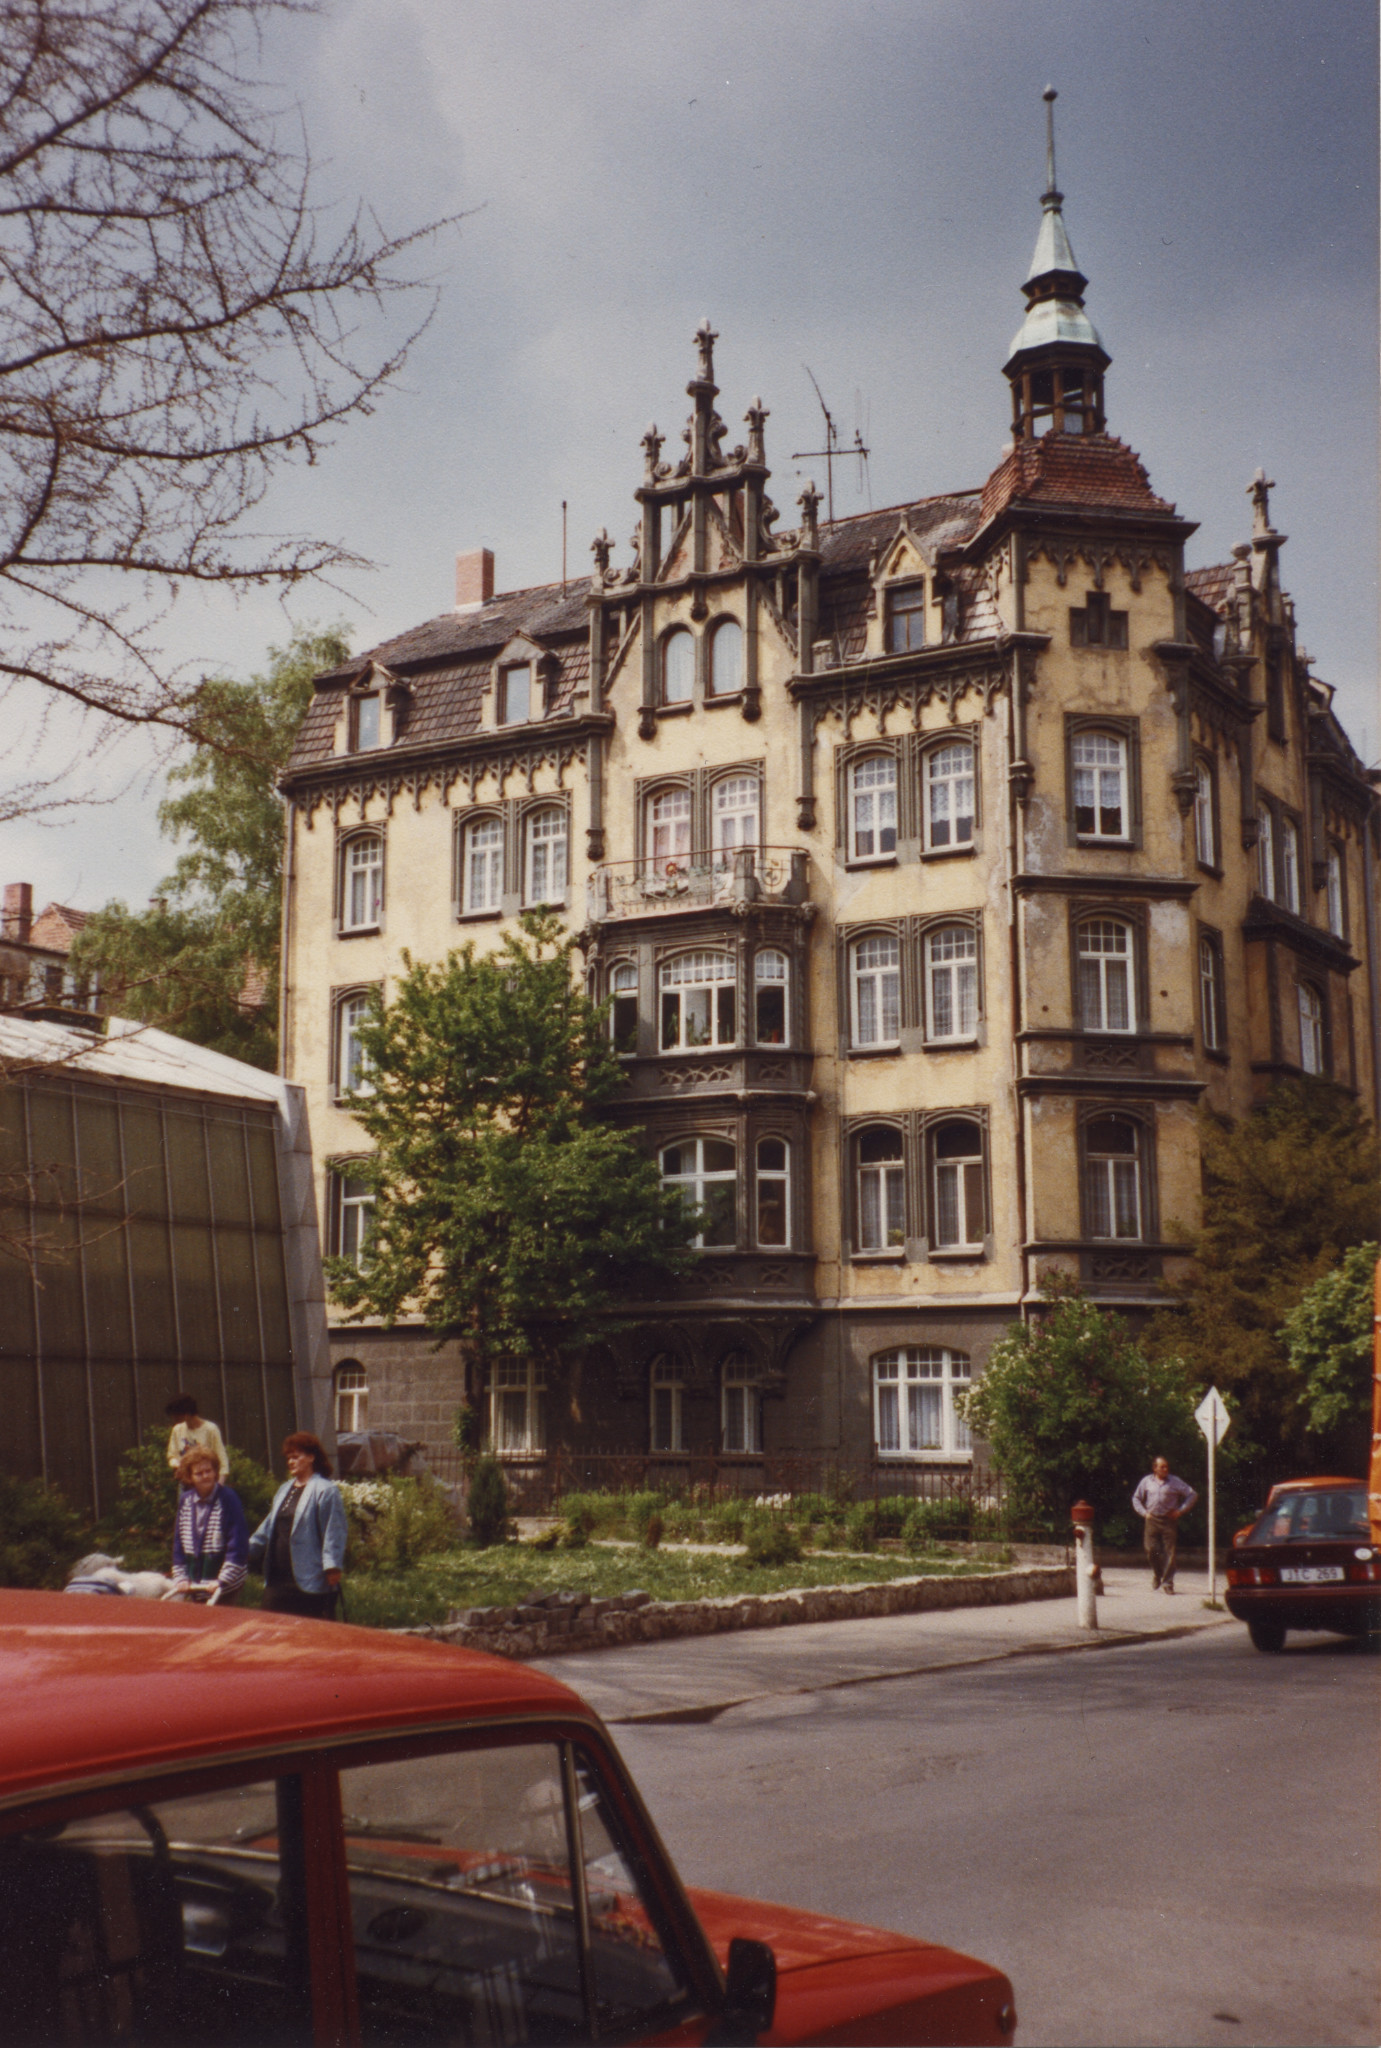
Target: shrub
(40, 1534)
(253, 1482)
(581, 1513)
(725, 1521)
(770, 1539)
(652, 1531)
(487, 1503)
(917, 1533)
(639, 1508)
(861, 1525)
(394, 1521)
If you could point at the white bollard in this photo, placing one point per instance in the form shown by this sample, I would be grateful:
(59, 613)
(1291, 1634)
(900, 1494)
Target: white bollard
(1085, 1570)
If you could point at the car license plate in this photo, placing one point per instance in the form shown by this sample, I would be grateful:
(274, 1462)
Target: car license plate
(1310, 1574)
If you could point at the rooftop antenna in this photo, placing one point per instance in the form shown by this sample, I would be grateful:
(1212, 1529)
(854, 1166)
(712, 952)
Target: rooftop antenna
(832, 446)
(563, 547)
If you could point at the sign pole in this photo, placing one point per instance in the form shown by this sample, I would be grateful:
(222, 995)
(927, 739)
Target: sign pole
(1213, 1419)
(1212, 1515)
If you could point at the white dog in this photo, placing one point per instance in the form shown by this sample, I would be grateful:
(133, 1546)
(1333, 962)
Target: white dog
(101, 1574)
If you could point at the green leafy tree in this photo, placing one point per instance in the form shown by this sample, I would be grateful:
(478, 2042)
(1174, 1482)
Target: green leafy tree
(508, 1210)
(1072, 1406)
(202, 961)
(1287, 1190)
(1328, 1340)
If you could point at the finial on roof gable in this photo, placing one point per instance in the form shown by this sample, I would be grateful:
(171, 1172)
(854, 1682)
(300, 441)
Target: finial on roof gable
(705, 339)
(1259, 491)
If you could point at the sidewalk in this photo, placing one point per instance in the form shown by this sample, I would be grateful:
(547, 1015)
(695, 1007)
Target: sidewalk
(698, 1677)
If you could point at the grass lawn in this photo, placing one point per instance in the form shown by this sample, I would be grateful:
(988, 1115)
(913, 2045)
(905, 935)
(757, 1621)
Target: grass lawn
(511, 1572)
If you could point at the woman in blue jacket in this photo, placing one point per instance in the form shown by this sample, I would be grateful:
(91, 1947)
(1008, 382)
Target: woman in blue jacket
(300, 1544)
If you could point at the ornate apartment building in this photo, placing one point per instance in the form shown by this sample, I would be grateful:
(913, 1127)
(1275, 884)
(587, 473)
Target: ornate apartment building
(937, 865)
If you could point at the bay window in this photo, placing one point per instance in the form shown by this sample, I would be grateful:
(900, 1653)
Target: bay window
(699, 1002)
(1113, 1201)
(704, 1171)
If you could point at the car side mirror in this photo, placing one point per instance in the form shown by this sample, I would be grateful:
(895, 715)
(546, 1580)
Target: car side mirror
(750, 1996)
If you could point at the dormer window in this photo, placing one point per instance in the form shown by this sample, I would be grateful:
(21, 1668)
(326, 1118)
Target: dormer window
(905, 618)
(515, 694)
(366, 722)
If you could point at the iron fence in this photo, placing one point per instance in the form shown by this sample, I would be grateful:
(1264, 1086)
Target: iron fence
(537, 1484)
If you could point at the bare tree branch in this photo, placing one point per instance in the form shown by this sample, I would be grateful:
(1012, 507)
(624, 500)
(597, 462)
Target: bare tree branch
(178, 321)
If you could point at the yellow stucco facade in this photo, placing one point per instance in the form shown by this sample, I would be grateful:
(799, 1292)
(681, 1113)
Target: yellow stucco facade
(937, 864)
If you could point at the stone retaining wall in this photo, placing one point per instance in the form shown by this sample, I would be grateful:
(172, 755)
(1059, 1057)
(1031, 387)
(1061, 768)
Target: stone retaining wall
(574, 1621)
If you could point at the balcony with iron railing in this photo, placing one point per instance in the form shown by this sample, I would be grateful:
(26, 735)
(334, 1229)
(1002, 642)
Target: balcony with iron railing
(667, 884)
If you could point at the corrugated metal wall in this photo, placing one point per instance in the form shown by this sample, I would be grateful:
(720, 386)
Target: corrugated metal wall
(158, 1270)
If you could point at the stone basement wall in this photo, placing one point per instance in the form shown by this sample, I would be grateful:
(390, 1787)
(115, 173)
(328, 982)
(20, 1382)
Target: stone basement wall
(574, 1621)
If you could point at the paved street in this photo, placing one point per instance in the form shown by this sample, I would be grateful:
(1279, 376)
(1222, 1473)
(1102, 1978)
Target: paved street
(1168, 1839)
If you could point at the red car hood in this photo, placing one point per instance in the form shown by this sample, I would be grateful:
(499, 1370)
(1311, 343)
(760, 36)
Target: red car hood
(841, 1983)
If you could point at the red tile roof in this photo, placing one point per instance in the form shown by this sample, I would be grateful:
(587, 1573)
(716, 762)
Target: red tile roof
(1072, 469)
(56, 926)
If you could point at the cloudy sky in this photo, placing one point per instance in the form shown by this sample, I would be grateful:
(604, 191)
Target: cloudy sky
(850, 185)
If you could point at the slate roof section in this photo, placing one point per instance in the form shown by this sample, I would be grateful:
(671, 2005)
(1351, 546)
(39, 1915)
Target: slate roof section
(1212, 586)
(1072, 469)
(847, 546)
(446, 662)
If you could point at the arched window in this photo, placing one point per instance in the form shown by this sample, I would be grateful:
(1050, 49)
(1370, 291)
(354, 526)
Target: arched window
(949, 792)
(774, 1193)
(1205, 831)
(1113, 1177)
(770, 1022)
(1107, 981)
(1311, 1038)
(623, 1011)
(881, 1190)
(1289, 864)
(1100, 785)
(959, 1212)
(362, 883)
(352, 1064)
(668, 829)
(1266, 851)
(352, 1397)
(705, 1171)
(1211, 993)
(678, 667)
(726, 659)
(740, 1405)
(482, 886)
(875, 976)
(873, 807)
(914, 1408)
(517, 1407)
(951, 982)
(1337, 905)
(666, 1386)
(736, 807)
(354, 1217)
(698, 1001)
(545, 865)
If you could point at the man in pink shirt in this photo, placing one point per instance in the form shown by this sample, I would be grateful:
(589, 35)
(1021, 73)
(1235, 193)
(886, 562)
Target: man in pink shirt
(1160, 1500)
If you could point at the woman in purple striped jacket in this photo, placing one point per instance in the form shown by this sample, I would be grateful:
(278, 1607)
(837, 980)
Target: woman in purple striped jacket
(210, 1535)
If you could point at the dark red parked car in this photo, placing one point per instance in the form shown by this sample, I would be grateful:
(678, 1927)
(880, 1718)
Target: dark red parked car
(1307, 1562)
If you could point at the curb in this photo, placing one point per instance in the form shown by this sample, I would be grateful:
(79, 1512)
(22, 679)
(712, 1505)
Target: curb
(710, 1711)
(561, 1622)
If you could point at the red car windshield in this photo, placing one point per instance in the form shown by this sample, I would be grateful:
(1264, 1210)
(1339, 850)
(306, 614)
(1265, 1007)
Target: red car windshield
(1336, 1515)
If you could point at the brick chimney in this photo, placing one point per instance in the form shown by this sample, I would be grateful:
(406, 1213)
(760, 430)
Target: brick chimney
(474, 579)
(19, 911)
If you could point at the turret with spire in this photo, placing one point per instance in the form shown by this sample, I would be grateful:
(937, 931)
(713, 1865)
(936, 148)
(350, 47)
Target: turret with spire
(1057, 361)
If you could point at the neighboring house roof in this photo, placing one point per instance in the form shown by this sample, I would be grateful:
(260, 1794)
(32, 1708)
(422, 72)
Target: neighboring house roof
(56, 926)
